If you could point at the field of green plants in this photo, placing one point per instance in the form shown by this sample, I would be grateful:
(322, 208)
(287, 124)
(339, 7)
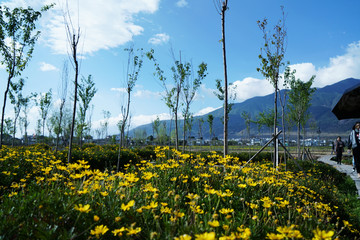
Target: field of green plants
(161, 193)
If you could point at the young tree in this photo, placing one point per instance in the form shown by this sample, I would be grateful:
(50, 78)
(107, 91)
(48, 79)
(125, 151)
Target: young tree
(62, 93)
(265, 118)
(134, 65)
(44, 102)
(16, 99)
(288, 74)
(201, 122)
(73, 38)
(222, 6)
(299, 103)
(87, 92)
(155, 126)
(17, 41)
(24, 119)
(9, 128)
(210, 120)
(221, 96)
(247, 118)
(190, 88)
(180, 72)
(162, 137)
(105, 123)
(272, 55)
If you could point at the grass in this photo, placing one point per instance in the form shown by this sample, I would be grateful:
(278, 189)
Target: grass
(183, 196)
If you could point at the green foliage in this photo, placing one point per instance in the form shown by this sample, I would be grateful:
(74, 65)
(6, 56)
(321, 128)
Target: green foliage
(101, 157)
(17, 42)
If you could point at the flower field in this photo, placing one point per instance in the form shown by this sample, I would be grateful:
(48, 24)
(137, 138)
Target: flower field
(175, 196)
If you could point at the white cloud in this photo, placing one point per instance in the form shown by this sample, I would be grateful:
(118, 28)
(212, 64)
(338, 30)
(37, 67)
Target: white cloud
(103, 25)
(251, 87)
(147, 94)
(181, 3)
(120, 90)
(47, 67)
(159, 38)
(145, 119)
(205, 111)
(339, 68)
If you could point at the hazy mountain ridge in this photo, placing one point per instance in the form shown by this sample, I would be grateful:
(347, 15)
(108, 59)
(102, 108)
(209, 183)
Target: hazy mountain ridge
(323, 100)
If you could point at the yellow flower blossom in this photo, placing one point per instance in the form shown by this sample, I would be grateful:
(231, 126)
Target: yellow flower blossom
(99, 230)
(132, 231)
(205, 236)
(214, 223)
(183, 237)
(118, 232)
(83, 209)
(127, 206)
(322, 234)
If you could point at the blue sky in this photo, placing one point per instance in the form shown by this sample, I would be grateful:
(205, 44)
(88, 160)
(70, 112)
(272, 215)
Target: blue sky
(323, 40)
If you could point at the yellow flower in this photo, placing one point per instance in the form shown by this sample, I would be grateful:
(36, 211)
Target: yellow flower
(96, 218)
(192, 196)
(104, 194)
(81, 208)
(183, 237)
(322, 235)
(99, 230)
(205, 236)
(226, 211)
(127, 206)
(214, 223)
(118, 232)
(132, 231)
(253, 206)
(117, 219)
(274, 236)
(284, 203)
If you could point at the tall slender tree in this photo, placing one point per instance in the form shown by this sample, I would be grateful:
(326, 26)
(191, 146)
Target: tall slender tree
(134, 66)
(44, 103)
(190, 87)
(155, 126)
(180, 72)
(17, 41)
(222, 7)
(16, 99)
(210, 120)
(299, 103)
(87, 92)
(271, 60)
(63, 94)
(73, 37)
(24, 119)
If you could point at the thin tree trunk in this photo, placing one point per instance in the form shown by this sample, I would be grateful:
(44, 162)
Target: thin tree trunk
(74, 46)
(176, 131)
(275, 123)
(123, 131)
(59, 126)
(298, 139)
(224, 8)
(14, 133)
(3, 110)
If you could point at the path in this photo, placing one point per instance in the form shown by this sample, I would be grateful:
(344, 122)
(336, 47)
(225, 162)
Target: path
(348, 169)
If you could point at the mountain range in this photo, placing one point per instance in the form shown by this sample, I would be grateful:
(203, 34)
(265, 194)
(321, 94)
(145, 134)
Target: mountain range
(322, 119)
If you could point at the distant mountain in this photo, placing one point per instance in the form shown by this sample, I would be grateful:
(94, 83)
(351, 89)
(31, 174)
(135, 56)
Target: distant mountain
(323, 100)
